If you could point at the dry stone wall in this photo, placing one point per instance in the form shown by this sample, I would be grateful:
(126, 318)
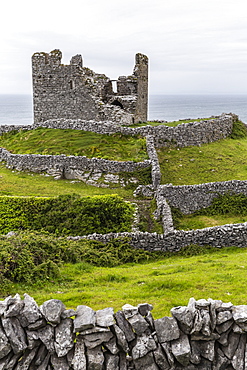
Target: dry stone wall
(205, 334)
(190, 198)
(71, 167)
(172, 241)
(186, 134)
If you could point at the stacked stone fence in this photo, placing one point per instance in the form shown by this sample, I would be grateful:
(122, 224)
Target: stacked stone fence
(186, 134)
(155, 172)
(68, 166)
(190, 198)
(217, 236)
(205, 334)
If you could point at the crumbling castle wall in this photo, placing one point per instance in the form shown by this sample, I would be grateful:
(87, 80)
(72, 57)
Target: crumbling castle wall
(76, 92)
(205, 334)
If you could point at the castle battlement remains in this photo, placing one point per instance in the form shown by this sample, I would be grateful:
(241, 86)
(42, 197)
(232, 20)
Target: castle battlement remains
(76, 92)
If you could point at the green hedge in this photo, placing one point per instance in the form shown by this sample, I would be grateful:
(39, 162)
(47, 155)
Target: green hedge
(31, 257)
(66, 214)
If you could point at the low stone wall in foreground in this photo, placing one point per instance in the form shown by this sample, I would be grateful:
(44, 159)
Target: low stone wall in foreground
(206, 334)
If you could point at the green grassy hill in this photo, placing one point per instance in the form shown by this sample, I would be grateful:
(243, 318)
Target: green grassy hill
(47, 266)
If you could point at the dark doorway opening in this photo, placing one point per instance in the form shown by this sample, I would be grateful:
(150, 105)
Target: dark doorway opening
(117, 103)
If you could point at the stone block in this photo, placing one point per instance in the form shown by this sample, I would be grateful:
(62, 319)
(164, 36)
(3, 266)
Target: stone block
(52, 311)
(166, 329)
(181, 349)
(85, 318)
(105, 317)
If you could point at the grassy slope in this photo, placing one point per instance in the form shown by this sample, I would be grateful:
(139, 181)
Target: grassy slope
(165, 283)
(74, 142)
(219, 161)
(30, 184)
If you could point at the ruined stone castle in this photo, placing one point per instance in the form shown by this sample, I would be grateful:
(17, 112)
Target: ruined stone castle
(76, 92)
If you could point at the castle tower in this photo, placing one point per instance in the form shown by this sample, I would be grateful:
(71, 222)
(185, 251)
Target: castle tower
(76, 92)
(141, 72)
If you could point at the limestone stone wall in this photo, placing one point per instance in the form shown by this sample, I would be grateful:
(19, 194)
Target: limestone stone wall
(173, 240)
(72, 167)
(205, 334)
(76, 92)
(190, 198)
(186, 134)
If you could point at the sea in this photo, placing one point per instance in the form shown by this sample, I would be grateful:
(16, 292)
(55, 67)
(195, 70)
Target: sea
(18, 109)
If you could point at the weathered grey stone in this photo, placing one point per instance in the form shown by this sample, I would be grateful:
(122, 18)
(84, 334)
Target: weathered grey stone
(221, 361)
(146, 362)
(32, 339)
(105, 317)
(238, 357)
(150, 321)
(45, 362)
(207, 349)
(37, 325)
(24, 363)
(14, 306)
(223, 317)
(67, 314)
(138, 323)
(95, 358)
(41, 355)
(125, 326)
(184, 317)
(160, 358)
(4, 361)
(166, 329)
(237, 329)
(59, 363)
(144, 308)
(121, 339)
(168, 351)
(213, 336)
(79, 361)
(195, 356)
(52, 311)
(144, 344)
(111, 362)
(85, 318)
(47, 335)
(181, 349)
(239, 313)
(111, 345)
(64, 339)
(225, 307)
(30, 313)
(15, 334)
(13, 360)
(224, 337)
(129, 310)
(5, 346)
(202, 303)
(96, 339)
(224, 327)
(232, 345)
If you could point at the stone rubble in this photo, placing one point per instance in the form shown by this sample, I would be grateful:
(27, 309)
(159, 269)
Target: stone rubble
(206, 334)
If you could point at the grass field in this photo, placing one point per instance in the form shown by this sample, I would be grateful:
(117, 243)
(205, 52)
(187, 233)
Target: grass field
(219, 161)
(75, 142)
(165, 283)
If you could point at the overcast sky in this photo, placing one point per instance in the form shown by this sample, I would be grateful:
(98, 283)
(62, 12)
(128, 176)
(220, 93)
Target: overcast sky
(194, 46)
